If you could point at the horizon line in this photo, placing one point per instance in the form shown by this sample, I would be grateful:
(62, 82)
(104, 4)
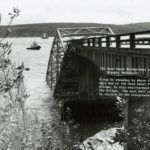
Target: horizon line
(72, 23)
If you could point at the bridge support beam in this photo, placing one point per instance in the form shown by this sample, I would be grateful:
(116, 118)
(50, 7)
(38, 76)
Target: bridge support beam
(88, 80)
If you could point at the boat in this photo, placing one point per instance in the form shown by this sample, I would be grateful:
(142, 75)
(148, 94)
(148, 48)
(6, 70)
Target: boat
(34, 46)
(44, 36)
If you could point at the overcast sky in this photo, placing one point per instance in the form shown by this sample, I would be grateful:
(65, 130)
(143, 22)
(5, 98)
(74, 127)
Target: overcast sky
(99, 11)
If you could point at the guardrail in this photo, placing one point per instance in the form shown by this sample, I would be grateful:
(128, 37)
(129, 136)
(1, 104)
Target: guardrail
(135, 40)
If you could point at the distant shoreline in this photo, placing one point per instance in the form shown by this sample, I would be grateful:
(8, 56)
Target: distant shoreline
(36, 30)
(28, 37)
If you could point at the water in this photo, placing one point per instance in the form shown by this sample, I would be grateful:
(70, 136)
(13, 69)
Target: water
(41, 98)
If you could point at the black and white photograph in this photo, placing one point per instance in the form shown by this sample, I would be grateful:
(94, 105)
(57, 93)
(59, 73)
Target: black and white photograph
(74, 75)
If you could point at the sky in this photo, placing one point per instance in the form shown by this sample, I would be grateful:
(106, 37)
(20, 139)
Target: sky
(93, 11)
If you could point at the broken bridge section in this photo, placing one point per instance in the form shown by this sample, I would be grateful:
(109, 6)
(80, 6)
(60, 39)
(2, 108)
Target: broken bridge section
(86, 64)
(60, 48)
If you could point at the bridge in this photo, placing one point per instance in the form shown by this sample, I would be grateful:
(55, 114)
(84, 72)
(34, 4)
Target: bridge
(95, 65)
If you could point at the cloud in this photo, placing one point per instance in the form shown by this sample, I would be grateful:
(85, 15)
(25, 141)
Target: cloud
(101, 11)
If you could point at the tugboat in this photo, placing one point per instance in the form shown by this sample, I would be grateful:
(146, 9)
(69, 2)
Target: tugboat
(34, 46)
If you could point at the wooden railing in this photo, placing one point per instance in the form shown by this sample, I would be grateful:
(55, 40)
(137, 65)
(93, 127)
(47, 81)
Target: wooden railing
(135, 40)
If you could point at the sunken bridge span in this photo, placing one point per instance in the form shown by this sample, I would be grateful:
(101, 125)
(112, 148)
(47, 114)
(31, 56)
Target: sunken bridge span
(93, 65)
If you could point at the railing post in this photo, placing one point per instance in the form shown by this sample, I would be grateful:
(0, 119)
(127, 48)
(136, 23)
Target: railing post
(57, 58)
(132, 41)
(100, 42)
(93, 42)
(88, 41)
(108, 42)
(118, 44)
(51, 78)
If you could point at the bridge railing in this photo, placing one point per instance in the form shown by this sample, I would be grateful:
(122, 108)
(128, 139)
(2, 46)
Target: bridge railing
(135, 40)
(59, 48)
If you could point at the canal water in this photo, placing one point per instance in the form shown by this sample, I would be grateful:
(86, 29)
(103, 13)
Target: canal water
(41, 98)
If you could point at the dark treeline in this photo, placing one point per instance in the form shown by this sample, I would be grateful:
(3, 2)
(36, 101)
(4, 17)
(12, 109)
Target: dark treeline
(36, 30)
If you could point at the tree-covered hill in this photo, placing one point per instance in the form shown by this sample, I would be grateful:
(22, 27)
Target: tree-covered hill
(36, 30)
